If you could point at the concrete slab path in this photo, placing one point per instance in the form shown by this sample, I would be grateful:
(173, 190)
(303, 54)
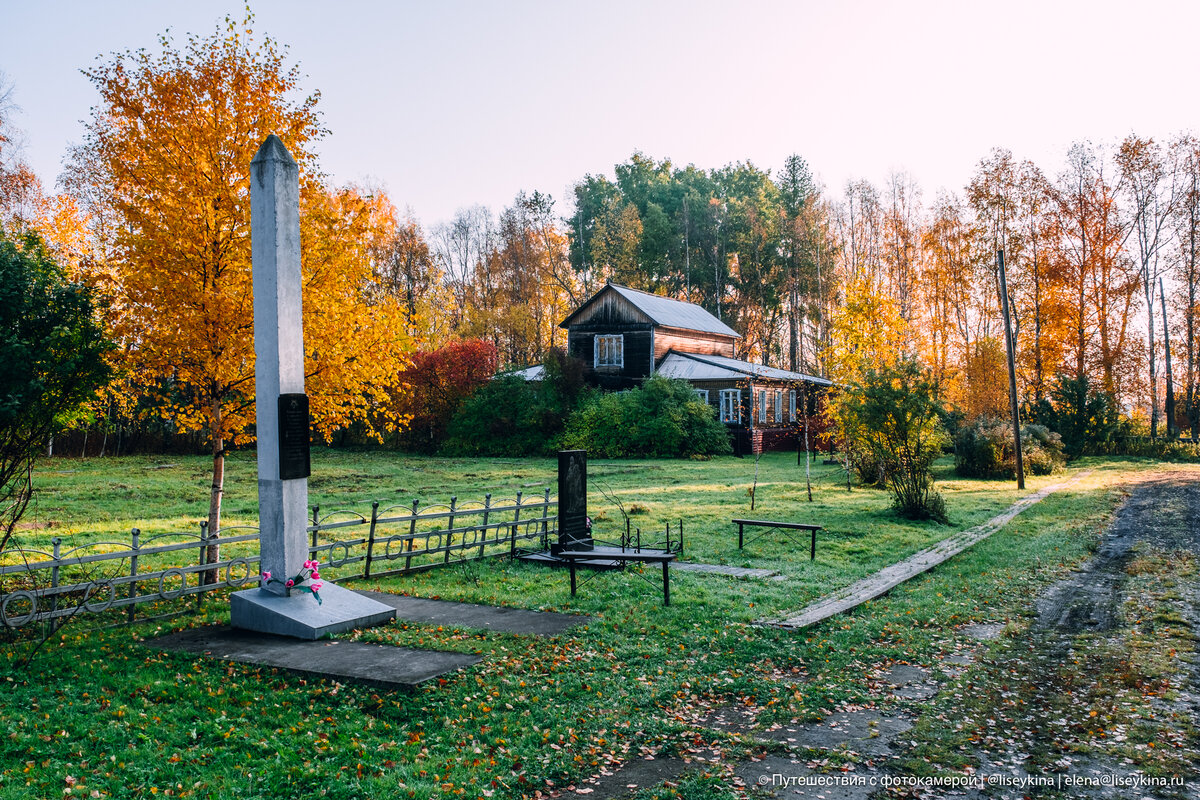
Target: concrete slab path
(332, 659)
(470, 615)
(888, 578)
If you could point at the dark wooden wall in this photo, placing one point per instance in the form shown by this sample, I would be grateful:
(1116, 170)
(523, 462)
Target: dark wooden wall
(581, 345)
(681, 341)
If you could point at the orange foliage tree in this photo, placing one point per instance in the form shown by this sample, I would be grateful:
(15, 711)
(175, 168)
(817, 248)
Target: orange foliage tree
(167, 153)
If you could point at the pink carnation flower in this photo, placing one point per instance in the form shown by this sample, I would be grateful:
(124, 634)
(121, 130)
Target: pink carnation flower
(315, 574)
(316, 586)
(266, 576)
(290, 582)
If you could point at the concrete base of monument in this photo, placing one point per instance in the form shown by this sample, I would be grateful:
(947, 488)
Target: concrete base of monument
(302, 617)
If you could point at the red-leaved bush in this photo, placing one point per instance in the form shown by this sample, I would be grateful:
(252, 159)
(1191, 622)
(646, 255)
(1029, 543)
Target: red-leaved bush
(438, 382)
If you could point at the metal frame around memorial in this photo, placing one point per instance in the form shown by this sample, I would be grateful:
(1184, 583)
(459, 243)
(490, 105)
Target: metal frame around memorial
(59, 584)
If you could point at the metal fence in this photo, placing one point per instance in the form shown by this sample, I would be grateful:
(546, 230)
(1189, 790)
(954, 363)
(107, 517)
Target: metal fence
(48, 586)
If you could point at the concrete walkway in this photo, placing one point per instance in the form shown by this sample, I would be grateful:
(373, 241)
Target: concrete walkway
(873, 586)
(332, 659)
(373, 664)
(471, 615)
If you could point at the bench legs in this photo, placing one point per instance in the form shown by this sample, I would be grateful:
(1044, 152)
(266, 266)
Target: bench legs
(666, 577)
(812, 550)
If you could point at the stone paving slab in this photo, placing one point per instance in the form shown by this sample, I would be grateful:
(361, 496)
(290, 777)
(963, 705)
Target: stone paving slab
(782, 777)
(639, 774)
(889, 577)
(470, 615)
(721, 569)
(373, 664)
(866, 731)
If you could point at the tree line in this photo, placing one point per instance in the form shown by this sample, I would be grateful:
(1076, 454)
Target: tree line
(1100, 253)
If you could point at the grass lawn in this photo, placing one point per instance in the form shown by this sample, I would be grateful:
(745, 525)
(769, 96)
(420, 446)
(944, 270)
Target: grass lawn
(99, 714)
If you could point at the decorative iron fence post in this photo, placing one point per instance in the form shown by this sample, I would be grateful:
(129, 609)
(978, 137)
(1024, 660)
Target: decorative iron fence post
(546, 519)
(516, 519)
(312, 551)
(412, 534)
(204, 532)
(371, 539)
(133, 571)
(57, 542)
(487, 505)
(450, 529)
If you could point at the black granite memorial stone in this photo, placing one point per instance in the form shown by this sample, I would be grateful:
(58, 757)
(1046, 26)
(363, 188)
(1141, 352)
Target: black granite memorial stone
(573, 531)
(294, 461)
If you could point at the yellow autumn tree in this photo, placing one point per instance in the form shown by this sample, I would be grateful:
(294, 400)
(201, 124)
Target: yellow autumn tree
(867, 334)
(167, 154)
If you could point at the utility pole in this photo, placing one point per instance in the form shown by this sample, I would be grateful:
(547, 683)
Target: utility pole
(1170, 398)
(1012, 369)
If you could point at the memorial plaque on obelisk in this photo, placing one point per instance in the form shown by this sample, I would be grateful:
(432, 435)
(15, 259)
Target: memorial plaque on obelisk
(294, 437)
(281, 420)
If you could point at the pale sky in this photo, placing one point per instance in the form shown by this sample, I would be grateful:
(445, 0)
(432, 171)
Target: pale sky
(449, 104)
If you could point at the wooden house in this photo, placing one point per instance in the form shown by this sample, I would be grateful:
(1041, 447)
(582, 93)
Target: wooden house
(625, 336)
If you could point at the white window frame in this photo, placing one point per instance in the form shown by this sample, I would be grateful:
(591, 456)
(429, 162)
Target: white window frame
(731, 405)
(779, 406)
(792, 405)
(603, 348)
(703, 395)
(762, 406)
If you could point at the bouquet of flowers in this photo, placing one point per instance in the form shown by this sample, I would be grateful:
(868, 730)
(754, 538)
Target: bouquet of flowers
(308, 572)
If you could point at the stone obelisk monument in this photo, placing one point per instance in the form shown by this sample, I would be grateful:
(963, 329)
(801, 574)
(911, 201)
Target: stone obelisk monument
(282, 420)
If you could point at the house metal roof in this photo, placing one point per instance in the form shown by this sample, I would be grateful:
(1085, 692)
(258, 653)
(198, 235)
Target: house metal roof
(665, 311)
(693, 367)
(534, 373)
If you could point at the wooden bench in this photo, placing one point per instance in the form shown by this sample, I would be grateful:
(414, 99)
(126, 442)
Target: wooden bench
(623, 555)
(786, 527)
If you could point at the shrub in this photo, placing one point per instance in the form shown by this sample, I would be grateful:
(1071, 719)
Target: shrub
(500, 419)
(510, 416)
(1042, 449)
(894, 411)
(868, 468)
(661, 419)
(984, 449)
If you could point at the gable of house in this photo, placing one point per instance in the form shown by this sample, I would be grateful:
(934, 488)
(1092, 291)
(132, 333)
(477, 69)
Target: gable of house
(622, 333)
